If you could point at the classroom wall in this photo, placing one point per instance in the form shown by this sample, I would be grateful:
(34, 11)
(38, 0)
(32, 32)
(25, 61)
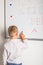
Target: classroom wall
(33, 55)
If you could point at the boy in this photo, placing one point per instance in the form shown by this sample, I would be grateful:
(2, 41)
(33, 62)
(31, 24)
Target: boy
(13, 48)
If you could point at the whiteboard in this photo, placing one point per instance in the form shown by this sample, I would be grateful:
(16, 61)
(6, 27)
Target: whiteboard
(27, 15)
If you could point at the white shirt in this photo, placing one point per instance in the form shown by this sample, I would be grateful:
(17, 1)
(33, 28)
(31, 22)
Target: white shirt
(13, 51)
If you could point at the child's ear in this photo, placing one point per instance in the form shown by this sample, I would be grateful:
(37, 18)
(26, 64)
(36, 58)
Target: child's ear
(16, 33)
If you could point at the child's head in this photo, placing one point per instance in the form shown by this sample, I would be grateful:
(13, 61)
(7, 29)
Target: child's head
(13, 31)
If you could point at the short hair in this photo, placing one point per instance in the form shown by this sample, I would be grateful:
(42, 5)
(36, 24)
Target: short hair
(12, 28)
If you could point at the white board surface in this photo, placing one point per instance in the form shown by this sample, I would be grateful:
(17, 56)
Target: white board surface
(27, 15)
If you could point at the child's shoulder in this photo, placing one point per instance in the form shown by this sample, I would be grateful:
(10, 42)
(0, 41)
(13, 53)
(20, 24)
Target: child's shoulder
(23, 40)
(19, 40)
(6, 45)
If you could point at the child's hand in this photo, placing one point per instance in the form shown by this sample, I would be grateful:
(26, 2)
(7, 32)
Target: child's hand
(22, 36)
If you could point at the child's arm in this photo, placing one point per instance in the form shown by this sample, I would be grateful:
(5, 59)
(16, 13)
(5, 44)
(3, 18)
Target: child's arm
(24, 41)
(5, 56)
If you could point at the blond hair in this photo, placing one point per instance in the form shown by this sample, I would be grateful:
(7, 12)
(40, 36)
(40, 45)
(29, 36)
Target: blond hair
(11, 29)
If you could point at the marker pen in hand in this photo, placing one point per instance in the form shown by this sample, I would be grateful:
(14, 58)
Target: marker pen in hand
(22, 36)
(21, 32)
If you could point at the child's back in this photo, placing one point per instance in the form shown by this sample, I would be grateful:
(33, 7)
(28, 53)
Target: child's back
(13, 51)
(13, 48)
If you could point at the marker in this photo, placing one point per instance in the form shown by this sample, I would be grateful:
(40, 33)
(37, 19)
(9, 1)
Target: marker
(21, 32)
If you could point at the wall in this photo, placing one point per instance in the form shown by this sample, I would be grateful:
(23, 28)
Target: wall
(33, 55)
(1, 28)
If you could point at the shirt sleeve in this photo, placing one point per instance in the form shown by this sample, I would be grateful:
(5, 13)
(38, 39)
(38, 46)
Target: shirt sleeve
(5, 56)
(24, 44)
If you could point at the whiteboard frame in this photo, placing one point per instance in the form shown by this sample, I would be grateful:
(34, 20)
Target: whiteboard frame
(35, 39)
